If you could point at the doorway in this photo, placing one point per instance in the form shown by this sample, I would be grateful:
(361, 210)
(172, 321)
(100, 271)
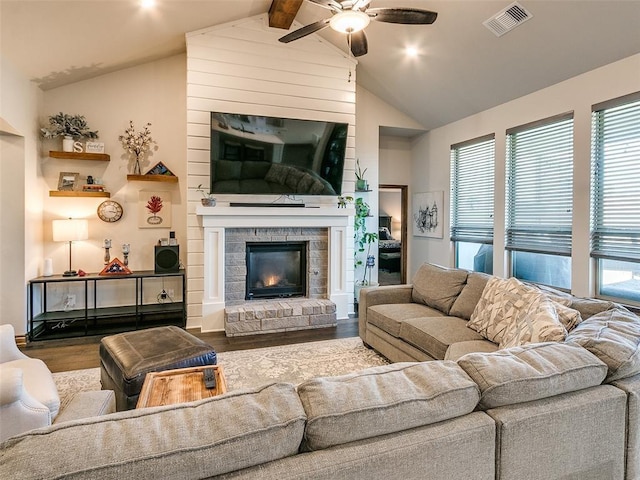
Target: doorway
(392, 241)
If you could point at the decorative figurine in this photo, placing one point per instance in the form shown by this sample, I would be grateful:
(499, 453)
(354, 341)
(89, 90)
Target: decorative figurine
(126, 248)
(107, 246)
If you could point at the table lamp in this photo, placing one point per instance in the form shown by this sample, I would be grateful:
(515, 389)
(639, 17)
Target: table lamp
(70, 230)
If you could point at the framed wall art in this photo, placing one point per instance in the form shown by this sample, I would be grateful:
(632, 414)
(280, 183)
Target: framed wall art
(154, 209)
(428, 214)
(68, 181)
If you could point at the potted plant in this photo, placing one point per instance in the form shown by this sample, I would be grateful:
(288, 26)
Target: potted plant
(207, 197)
(361, 183)
(363, 241)
(70, 127)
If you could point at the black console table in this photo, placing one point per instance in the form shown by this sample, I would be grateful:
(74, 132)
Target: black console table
(89, 315)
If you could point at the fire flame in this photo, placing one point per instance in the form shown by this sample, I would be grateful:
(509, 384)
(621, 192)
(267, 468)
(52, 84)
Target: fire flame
(271, 280)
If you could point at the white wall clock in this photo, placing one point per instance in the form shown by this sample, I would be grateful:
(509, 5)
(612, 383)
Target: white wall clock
(110, 211)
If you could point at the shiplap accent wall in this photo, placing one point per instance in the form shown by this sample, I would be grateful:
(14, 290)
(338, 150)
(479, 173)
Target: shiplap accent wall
(240, 67)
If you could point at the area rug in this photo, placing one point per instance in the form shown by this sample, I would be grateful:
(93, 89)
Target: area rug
(249, 368)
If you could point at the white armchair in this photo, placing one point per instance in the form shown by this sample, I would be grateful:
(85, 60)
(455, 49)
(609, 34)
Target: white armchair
(28, 395)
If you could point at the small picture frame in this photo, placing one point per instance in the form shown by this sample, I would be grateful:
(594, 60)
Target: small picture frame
(94, 147)
(68, 181)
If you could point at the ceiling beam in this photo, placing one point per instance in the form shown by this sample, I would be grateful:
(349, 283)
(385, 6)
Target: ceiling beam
(282, 13)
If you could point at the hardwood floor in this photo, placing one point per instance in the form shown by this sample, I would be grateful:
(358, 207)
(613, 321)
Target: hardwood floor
(79, 353)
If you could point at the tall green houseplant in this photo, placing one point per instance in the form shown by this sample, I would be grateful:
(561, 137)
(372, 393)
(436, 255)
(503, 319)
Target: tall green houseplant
(363, 241)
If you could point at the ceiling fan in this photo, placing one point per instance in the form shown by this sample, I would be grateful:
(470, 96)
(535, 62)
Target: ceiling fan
(352, 16)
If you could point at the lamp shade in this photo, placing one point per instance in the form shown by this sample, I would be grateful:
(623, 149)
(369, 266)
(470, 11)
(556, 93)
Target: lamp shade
(70, 230)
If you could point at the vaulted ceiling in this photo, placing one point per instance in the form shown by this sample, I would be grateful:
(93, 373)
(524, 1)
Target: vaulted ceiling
(461, 67)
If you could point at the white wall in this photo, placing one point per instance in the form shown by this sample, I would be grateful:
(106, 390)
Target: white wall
(431, 153)
(152, 92)
(20, 215)
(377, 153)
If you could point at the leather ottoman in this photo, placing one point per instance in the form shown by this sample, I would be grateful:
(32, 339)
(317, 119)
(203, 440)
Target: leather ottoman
(126, 358)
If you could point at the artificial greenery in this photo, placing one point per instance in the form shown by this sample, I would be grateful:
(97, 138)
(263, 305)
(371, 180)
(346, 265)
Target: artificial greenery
(359, 172)
(363, 239)
(63, 124)
(202, 191)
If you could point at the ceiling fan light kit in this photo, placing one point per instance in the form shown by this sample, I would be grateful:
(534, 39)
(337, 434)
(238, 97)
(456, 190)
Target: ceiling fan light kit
(351, 17)
(349, 21)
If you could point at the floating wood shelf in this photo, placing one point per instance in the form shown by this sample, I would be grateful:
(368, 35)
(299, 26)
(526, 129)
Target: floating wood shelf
(80, 155)
(154, 178)
(64, 193)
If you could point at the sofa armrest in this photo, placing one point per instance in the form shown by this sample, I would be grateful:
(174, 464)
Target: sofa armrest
(19, 411)
(386, 294)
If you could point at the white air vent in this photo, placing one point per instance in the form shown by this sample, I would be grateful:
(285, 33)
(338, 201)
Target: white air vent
(507, 19)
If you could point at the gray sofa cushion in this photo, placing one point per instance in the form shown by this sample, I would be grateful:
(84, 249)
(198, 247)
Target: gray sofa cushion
(458, 349)
(438, 287)
(531, 372)
(614, 337)
(383, 400)
(191, 440)
(468, 299)
(389, 317)
(433, 335)
(590, 306)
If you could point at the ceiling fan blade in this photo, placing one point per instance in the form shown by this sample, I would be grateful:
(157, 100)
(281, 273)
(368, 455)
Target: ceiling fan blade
(358, 43)
(330, 4)
(304, 31)
(407, 16)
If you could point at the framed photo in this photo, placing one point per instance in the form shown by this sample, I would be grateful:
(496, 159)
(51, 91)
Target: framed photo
(428, 212)
(68, 181)
(154, 209)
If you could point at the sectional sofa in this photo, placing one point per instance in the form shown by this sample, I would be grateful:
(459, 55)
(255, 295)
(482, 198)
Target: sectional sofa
(556, 409)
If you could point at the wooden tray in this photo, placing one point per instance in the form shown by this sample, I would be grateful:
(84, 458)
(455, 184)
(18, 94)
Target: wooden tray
(179, 386)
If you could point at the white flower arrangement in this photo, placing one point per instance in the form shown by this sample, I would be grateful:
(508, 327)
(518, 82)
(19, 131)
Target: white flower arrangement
(137, 143)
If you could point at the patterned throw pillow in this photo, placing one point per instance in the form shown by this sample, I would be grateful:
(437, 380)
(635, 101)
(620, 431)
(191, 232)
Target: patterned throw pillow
(510, 313)
(536, 323)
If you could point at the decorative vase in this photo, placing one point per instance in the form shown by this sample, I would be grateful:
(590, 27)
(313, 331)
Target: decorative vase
(136, 167)
(208, 202)
(361, 184)
(67, 143)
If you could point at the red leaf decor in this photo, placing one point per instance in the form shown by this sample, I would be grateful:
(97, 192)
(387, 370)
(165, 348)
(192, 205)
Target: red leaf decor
(154, 205)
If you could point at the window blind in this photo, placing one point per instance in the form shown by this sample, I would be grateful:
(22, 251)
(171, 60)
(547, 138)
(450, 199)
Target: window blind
(540, 187)
(615, 151)
(472, 197)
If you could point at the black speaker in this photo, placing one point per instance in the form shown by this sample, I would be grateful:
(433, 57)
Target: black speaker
(167, 259)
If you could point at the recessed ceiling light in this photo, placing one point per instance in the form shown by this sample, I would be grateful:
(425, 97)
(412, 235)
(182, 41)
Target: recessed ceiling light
(411, 51)
(147, 3)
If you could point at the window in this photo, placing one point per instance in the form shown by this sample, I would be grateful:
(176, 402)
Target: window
(540, 201)
(615, 222)
(472, 180)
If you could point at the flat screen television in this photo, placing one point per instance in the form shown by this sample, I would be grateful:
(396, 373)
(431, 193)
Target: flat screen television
(272, 155)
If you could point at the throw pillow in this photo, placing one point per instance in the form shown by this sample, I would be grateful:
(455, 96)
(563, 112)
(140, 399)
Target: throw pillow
(537, 322)
(522, 314)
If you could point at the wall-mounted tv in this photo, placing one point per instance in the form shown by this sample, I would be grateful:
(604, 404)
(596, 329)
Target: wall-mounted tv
(272, 155)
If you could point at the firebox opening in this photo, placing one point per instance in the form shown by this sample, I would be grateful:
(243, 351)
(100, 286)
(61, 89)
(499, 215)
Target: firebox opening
(276, 270)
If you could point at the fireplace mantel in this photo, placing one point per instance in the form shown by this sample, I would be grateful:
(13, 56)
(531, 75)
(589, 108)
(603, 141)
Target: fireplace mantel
(239, 217)
(215, 220)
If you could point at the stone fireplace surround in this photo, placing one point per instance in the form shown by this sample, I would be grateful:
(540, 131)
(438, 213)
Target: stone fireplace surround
(224, 228)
